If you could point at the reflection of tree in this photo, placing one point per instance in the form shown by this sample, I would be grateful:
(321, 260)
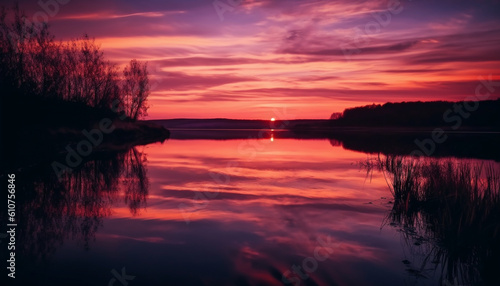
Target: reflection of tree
(52, 210)
(135, 177)
(335, 143)
(450, 211)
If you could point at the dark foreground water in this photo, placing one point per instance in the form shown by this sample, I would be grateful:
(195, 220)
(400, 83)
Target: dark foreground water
(246, 212)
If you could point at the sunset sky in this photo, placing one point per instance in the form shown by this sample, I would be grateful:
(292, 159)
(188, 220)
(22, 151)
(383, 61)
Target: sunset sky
(246, 59)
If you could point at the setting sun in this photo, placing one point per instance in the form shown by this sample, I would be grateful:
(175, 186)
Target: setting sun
(272, 119)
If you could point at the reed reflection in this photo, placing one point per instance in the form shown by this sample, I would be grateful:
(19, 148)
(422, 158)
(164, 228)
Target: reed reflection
(448, 213)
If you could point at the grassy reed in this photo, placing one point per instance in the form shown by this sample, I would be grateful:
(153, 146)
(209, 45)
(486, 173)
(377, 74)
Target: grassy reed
(455, 206)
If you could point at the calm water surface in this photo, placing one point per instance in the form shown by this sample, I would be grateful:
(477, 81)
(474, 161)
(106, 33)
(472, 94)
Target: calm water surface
(230, 212)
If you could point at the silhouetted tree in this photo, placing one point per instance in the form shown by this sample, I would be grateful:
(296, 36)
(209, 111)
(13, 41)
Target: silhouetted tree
(336, 115)
(135, 89)
(32, 63)
(421, 114)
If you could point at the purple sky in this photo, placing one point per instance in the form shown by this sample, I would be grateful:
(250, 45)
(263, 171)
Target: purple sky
(311, 57)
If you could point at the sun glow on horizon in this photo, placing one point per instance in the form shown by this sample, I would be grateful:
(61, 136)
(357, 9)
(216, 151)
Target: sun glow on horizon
(273, 54)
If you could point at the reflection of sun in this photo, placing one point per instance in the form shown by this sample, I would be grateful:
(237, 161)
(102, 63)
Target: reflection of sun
(272, 119)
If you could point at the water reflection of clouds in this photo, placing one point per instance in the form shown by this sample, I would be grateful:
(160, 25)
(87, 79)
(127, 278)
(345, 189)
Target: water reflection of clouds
(267, 216)
(248, 250)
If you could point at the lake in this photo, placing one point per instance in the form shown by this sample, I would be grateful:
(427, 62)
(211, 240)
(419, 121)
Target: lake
(270, 211)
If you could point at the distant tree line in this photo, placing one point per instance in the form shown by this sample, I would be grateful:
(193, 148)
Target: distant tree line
(422, 114)
(33, 64)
